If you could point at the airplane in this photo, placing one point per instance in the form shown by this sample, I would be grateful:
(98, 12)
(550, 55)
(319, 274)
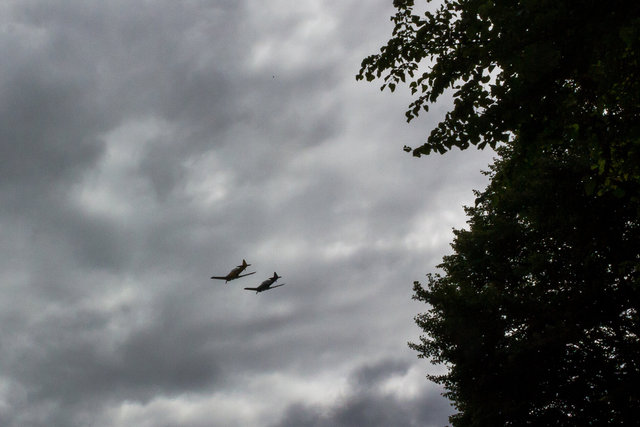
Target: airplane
(266, 285)
(235, 273)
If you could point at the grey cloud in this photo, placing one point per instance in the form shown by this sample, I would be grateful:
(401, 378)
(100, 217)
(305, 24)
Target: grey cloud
(369, 376)
(368, 406)
(48, 127)
(73, 72)
(71, 356)
(111, 302)
(71, 366)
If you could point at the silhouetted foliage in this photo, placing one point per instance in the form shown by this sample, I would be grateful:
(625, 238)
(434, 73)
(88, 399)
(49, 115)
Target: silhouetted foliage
(547, 71)
(537, 313)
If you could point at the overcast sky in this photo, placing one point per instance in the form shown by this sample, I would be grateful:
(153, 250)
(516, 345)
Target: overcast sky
(148, 145)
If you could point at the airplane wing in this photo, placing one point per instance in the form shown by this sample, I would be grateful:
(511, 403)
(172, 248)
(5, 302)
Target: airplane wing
(219, 277)
(248, 274)
(277, 286)
(251, 289)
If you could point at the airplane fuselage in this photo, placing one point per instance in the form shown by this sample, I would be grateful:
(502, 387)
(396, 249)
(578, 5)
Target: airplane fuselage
(235, 273)
(267, 284)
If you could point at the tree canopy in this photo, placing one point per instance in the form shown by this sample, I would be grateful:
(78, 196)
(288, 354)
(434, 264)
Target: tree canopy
(537, 312)
(545, 71)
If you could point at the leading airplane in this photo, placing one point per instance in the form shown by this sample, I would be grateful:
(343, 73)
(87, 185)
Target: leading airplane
(235, 273)
(266, 285)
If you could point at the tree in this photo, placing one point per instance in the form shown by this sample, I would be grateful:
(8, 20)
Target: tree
(547, 72)
(537, 313)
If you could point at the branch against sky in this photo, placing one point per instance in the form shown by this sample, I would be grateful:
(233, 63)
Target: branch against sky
(550, 72)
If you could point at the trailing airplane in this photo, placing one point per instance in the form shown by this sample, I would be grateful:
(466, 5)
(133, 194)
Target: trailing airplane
(235, 273)
(266, 285)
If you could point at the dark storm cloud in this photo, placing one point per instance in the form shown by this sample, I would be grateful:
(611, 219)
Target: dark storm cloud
(367, 405)
(76, 362)
(47, 123)
(148, 145)
(368, 377)
(74, 70)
